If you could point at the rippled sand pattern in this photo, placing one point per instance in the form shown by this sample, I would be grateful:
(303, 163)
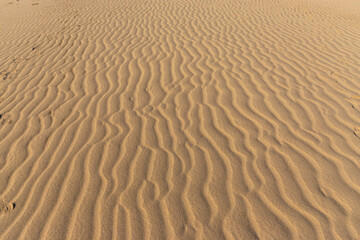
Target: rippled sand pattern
(179, 119)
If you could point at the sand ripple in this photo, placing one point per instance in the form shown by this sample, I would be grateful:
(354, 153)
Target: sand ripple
(170, 119)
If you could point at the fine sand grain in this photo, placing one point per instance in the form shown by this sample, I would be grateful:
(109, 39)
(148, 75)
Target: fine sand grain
(179, 119)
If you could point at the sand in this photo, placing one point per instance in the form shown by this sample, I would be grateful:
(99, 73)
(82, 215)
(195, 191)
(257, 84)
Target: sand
(180, 119)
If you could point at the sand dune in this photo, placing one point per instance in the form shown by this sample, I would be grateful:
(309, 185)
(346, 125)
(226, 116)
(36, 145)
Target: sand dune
(174, 119)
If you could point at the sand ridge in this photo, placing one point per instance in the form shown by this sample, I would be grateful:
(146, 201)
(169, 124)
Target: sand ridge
(173, 119)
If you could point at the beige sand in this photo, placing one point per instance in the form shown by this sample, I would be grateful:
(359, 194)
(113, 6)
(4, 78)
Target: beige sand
(180, 119)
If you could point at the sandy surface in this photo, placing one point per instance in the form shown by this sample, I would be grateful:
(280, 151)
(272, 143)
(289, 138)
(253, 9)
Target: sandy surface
(179, 119)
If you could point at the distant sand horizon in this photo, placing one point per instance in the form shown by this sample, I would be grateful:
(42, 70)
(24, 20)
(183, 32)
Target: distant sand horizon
(174, 119)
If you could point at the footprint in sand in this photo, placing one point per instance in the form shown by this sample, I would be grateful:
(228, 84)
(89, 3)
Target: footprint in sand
(357, 131)
(355, 102)
(8, 75)
(5, 119)
(6, 207)
(4, 75)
